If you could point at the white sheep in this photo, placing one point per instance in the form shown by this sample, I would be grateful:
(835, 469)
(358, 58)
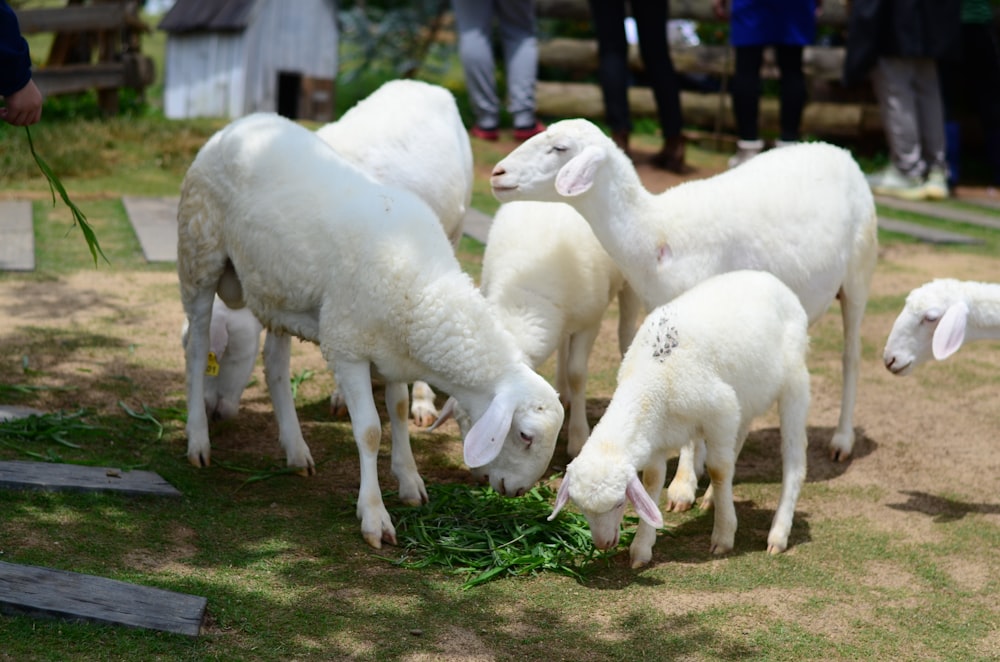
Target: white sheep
(234, 343)
(272, 218)
(550, 282)
(804, 213)
(938, 318)
(707, 363)
(375, 136)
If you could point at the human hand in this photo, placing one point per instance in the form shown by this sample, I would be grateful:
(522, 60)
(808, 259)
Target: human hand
(23, 107)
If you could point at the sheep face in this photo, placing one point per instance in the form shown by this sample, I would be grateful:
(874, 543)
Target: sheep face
(559, 162)
(534, 417)
(931, 325)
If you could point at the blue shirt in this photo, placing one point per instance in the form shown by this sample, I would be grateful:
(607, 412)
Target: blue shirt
(770, 22)
(15, 60)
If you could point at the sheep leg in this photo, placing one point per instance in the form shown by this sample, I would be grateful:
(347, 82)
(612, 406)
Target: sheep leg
(684, 487)
(721, 444)
(580, 345)
(793, 408)
(852, 310)
(355, 381)
(235, 369)
(562, 372)
(423, 410)
(654, 475)
(411, 486)
(629, 308)
(198, 308)
(277, 374)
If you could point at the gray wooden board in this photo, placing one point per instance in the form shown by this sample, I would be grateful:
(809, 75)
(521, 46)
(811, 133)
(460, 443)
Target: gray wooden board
(476, 224)
(27, 475)
(37, 591)
(17, 236)
(942, 211)
(155, 223)
(924, 233)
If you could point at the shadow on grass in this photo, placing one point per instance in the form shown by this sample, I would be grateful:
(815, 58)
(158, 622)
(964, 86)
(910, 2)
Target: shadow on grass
(942, 509)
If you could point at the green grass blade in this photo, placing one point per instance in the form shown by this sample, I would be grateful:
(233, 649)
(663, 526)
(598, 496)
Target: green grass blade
(55, 185)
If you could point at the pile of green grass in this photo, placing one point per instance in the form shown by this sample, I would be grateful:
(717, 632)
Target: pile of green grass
(479, 533)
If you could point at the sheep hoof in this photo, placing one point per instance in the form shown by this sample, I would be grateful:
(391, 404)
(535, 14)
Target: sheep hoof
(306, 471)
(199, 460)
(719, 549)
(373, 539)
(776, 548)
(840, 446)
(678, 506)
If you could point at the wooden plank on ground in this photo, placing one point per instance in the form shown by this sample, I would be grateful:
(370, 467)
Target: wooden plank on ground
(476, 224)
(26, 475)
(155, 224)
(942, 211)
(37, 591)
(17, 250)
(924, 233)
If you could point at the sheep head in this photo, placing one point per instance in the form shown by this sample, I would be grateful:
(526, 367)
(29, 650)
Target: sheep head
(512, 442)
(560, 162)
(601, 487)
(932, 324)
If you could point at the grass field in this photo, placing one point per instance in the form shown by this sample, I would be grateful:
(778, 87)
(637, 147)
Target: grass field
(893, 556)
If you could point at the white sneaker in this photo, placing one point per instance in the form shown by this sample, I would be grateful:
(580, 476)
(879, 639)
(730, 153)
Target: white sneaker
(936, 185)
(745, 150)
(894, 183)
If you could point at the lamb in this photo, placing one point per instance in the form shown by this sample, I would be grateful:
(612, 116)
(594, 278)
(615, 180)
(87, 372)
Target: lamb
(803, 212)
(271, 218)
(937, 318)
(708, 363)
(550, 282)
(376, 137)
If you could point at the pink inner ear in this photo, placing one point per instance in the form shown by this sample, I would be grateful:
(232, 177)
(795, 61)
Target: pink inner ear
(644, 506)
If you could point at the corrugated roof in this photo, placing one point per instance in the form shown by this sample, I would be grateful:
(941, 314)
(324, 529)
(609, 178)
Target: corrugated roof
(208, 16)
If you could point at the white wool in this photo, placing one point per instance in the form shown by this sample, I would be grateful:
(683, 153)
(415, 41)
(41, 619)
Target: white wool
(324, 252)
(376, 137)
(550, 282)
(707, 363)
(938, 318)
(804, 213)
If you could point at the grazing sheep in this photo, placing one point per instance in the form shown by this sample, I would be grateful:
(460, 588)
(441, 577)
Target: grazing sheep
(377, 138)
(707, 363)
(272, 218)
(550, 282)
(937, 318)
(803, 212)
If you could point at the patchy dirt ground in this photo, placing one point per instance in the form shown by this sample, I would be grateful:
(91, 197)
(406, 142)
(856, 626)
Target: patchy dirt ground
(928, 442)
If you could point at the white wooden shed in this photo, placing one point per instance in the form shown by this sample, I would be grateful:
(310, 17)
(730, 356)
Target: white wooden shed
(228, 58)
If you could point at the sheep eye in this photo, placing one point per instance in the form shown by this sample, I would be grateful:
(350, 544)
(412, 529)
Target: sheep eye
(932, 316)
(559, 148)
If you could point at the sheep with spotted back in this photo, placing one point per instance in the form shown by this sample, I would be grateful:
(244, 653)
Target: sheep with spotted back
(803, 212)
(271, 218)
(938, 318)
(706, 363)
(385, 143)
(550, 282)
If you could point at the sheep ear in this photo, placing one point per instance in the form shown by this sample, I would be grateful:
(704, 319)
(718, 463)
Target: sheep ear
(643, 504)
(577, 176)
(486, 438)
(447, 411)
(562, 497)
(950, 332)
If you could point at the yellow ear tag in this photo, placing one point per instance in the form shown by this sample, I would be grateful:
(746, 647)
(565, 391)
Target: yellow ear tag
(212, 369)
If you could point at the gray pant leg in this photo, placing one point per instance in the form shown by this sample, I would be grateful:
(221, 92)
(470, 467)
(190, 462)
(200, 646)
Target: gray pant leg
(892, 80)
(474, 20)
(518, 34)
(930, 114)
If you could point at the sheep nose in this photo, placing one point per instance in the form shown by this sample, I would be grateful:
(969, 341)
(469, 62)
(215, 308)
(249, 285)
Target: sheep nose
(498, 170)
(889, 361)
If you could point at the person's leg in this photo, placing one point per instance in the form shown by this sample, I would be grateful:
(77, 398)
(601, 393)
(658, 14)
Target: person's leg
(608, 19)
(793, 91)
(474, 19)
(746, 91)
(518, 34)
(892, 80)
(651, 20)
(930, 114)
